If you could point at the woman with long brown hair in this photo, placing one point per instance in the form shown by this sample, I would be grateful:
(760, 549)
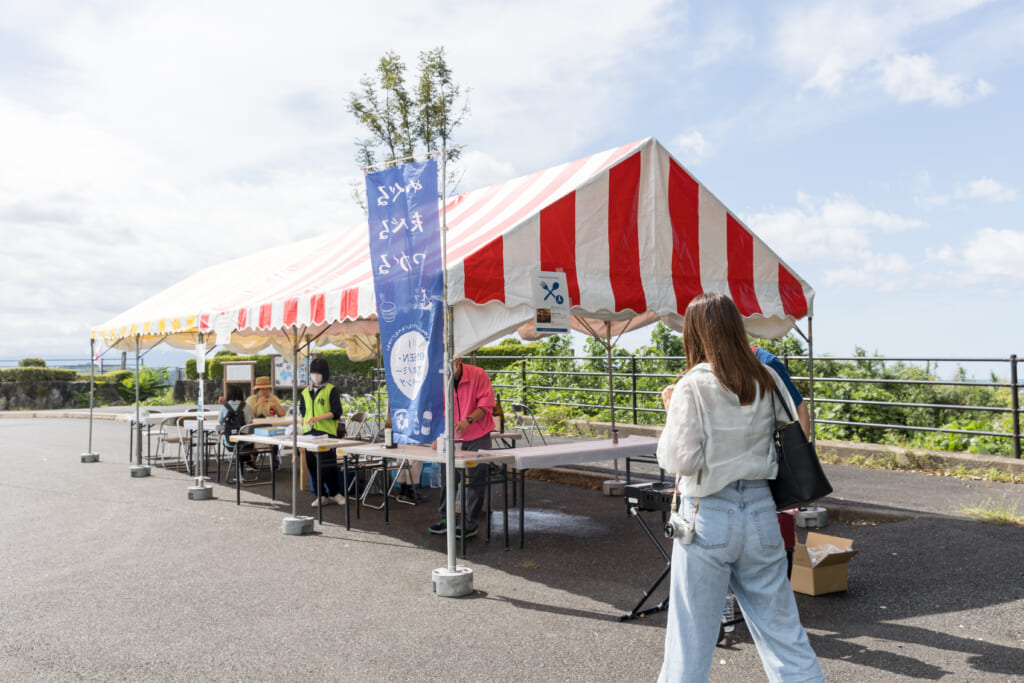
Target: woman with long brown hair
(718, 441)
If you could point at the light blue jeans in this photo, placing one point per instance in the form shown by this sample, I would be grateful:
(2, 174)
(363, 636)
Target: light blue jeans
(738, 543)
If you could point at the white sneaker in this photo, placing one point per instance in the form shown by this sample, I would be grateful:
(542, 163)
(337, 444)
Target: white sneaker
(339, 499)
(322, 500)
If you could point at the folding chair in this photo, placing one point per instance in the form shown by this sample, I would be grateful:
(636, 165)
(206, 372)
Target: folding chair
(259, 452)
(526, 422)
(170, 433)
(355, 426)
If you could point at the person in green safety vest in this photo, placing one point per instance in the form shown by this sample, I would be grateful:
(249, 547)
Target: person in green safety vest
(320, 408)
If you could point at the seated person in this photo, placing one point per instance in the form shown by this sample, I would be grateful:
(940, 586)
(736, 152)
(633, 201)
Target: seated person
(264, 403)
(235, 414)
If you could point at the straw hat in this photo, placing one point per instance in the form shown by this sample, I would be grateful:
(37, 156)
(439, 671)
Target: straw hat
(262, 383)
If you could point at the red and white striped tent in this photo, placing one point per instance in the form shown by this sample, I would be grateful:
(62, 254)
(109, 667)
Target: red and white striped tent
(635, 233)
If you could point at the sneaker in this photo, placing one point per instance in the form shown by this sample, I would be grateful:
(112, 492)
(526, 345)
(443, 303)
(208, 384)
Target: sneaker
(339, 499)
(469, 533)
(439, 528)
(322, 500)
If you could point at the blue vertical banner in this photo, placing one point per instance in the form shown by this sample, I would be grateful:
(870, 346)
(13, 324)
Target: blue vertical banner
(405, 244)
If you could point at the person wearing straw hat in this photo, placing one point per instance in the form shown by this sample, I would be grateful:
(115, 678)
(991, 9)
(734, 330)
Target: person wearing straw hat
(264, 403)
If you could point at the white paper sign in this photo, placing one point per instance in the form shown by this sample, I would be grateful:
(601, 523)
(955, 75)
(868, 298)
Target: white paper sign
(551, 303)
(201, 358)
(222, 329)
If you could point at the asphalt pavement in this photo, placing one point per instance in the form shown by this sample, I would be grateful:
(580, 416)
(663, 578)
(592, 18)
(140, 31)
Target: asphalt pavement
(112, 578)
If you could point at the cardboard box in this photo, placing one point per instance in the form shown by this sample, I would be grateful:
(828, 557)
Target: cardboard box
(829, 575)
(268, 431)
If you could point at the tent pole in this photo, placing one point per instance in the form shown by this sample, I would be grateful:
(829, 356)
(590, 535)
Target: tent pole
(611, 389)
(810, 372)
(454, 580)
(138, 470)
(201, 491)
(294, 525)
(90, 456)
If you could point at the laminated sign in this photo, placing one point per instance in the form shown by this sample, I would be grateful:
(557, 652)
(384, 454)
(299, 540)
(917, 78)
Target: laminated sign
(405, 246)
(551, 303)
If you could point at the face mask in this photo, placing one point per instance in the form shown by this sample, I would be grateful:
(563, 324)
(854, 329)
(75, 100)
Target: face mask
(317, 378)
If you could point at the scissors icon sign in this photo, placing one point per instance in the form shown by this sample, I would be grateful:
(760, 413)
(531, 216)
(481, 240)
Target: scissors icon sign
(551, 292)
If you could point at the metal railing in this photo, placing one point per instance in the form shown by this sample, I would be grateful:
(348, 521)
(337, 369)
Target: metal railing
(581, 382)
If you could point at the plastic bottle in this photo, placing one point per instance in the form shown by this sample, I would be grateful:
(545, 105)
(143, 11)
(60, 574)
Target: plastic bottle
(389, 432)
(435, 475)
(729, 613)
(499, 414)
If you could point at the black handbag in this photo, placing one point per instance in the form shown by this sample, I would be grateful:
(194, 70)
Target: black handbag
(800, 480)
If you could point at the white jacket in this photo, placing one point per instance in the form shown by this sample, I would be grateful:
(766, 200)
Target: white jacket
(707, 429)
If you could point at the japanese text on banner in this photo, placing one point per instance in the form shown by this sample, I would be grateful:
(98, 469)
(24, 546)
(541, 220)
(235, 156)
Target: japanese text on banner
(408, 283)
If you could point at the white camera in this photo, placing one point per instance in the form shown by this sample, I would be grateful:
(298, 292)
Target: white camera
(680, 529)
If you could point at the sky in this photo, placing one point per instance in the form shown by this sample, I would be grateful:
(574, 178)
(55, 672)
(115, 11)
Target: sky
(875, 146)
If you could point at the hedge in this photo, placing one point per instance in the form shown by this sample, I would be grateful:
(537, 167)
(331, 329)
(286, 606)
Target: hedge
(31, 363)
(337, 361)
(36, 374)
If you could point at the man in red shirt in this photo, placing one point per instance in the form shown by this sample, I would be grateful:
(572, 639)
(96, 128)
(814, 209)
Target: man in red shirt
(474, 407)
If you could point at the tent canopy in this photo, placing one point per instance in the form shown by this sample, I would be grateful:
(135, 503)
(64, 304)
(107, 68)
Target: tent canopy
(635, 233)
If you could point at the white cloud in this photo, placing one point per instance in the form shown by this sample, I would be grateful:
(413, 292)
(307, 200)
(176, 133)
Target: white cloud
(834, 230)
(691, 148)
(874, 272)
(826, 45)
(913, 78)
(994, 253)
(715, 43)
(986, 188)
(481, 170)
(982, 188)
(161, 138)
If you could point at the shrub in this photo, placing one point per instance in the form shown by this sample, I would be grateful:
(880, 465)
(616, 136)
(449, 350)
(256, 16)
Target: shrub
(152, 382)
(337, 361)
(31, 363)
(37, 374)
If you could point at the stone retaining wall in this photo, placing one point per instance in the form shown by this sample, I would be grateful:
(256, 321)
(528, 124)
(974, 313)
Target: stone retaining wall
(52, 395)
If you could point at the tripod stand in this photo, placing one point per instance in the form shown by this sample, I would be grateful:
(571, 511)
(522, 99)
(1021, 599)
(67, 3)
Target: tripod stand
(644, 498)
(636, 612)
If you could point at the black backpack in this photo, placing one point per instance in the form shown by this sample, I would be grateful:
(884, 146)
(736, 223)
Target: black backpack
(234, 421)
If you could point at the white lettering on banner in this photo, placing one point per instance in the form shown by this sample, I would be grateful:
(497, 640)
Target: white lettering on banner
(403, 261)
(399, 224)
(409, 362)
(390, 193)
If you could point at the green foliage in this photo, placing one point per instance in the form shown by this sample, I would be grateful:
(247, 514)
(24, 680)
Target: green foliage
(152, 382)
(337, 361)
(114, 376)
(37, 374)
(402, 125)
(664, 342)
(31, 363)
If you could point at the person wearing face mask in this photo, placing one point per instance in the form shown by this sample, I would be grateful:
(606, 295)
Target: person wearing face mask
(320, 408)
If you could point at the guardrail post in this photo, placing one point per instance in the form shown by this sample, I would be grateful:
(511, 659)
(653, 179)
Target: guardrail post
(632, 373)
(522, 379)
(1015, 405)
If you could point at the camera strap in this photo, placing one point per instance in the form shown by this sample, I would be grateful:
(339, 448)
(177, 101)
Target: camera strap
(674, 507)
